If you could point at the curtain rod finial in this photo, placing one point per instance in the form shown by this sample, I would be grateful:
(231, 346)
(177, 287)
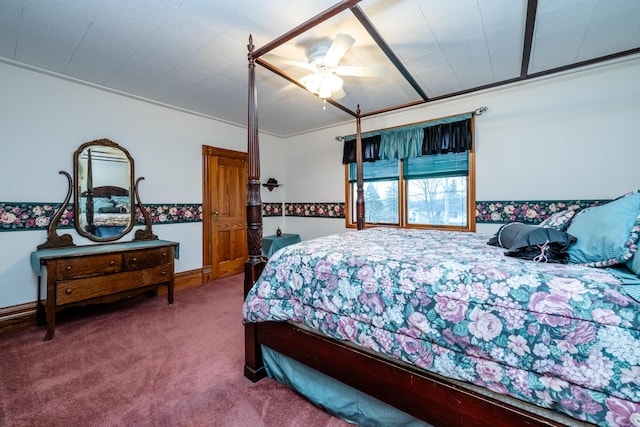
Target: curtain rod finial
(339, 138)
(480, 110)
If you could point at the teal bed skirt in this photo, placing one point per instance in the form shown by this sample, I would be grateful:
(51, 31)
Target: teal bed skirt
(341, 400)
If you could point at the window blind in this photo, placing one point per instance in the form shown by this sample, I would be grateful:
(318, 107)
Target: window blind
(378, 171)
(436, 165)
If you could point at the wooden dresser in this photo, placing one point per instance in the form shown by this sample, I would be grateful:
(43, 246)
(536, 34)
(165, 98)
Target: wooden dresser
(102, 273)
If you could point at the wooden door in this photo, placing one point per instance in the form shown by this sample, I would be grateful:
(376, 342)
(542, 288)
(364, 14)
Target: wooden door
(224, 212)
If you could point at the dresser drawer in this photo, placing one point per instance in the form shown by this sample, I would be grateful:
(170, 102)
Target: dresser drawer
(146, 258)
(103, 274)
(71, 291)
(67, 268)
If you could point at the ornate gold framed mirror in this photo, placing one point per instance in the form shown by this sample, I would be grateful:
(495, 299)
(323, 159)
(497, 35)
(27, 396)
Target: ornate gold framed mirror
(105, 196)
(104, 207)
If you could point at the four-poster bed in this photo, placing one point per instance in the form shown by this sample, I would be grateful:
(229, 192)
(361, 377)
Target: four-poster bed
(427, 396)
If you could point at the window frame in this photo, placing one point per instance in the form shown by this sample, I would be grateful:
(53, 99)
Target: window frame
(403, 202)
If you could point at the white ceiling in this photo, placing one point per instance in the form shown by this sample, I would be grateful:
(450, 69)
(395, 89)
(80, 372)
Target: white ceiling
(192, 54)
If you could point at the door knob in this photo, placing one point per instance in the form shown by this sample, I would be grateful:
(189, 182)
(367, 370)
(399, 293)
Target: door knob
(215, 214)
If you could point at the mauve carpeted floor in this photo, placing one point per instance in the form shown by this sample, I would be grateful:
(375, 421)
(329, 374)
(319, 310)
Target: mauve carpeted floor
(146, 364)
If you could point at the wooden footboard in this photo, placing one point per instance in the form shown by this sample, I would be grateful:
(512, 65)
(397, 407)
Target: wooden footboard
(429, 397)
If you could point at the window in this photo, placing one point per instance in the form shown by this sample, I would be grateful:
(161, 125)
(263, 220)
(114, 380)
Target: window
(432, 191)
(420, 175)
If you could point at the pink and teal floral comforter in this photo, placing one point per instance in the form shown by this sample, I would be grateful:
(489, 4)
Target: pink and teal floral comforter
(565, 337)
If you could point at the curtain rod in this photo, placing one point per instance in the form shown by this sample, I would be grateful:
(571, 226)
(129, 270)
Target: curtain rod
(477, 112)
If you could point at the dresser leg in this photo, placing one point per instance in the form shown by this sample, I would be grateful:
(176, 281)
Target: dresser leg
(41, 317)
(51, 322)
(170, 292)
(50, 306)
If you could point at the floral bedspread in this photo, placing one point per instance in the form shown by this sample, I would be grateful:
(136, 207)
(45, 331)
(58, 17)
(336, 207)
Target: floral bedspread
(565, 337)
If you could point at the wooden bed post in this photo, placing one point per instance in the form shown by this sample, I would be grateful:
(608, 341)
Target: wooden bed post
(253, 368)
(359, 180)
(254, 204)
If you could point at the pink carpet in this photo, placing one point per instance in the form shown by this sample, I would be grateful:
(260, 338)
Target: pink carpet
(146, 364)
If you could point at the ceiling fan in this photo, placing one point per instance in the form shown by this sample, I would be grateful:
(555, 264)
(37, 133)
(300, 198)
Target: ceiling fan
(324, 64)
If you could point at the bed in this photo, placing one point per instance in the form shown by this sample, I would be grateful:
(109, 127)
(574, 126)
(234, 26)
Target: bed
(560, 336)
(482, 338)
(106, 211)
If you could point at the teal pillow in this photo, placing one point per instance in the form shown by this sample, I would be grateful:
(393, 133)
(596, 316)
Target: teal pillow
(634, 264)
(607, 234)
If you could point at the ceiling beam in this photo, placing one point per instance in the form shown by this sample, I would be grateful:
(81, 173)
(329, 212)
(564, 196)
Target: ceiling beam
(305, 26)
(585, 63)
(530, 23)
(366, 23)
(532, 7)
(576, 65)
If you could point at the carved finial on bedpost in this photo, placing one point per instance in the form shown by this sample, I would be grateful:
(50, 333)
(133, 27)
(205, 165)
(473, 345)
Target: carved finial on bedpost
(359, 182)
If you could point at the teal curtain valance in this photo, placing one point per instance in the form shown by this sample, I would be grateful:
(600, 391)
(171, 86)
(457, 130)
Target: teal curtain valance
(370, 150)
(449, 134)
(401, 144)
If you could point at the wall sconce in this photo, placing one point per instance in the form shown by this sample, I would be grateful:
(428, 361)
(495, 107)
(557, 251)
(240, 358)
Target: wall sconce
(271, 184)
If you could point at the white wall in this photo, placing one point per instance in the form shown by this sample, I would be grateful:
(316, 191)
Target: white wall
(44, 119)
(566, 137)
(272, 166)
(573, 136)
(315, 173)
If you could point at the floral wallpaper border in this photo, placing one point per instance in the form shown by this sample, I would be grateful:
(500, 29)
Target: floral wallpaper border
(22, 216)
(530, 212)
(271, 209)
(315, 210)
(487, 212)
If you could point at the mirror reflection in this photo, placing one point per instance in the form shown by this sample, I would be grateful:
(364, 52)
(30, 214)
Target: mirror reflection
(104, 191)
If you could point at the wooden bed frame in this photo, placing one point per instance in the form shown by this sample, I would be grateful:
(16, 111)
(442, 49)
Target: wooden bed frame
(426, 396)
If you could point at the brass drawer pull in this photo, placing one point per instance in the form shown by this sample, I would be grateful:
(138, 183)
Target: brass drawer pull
(68, 291)
(164, 254)
(134, 259)
(112, 262)
(164, 273)
(68, 268)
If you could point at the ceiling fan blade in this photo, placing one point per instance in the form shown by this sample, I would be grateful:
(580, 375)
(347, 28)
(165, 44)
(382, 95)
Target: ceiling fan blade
(366, 71)
(283, 60)
(338, 48)
(338, 94)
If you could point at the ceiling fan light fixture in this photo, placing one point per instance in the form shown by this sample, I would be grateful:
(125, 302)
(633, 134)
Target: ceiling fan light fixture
(322, 84)
(312, 82)
(324, 92)
(333, 81)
